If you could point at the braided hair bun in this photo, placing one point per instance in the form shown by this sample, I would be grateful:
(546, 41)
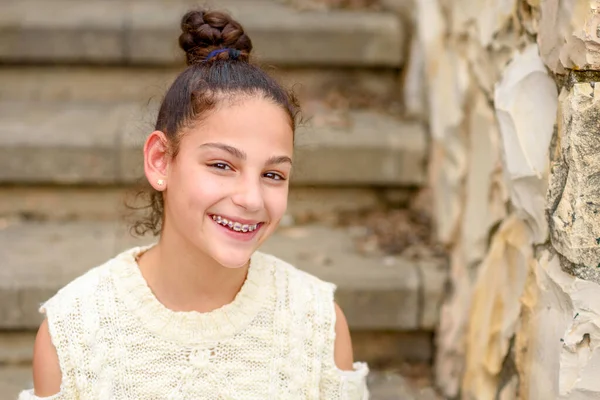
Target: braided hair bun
(212, 35)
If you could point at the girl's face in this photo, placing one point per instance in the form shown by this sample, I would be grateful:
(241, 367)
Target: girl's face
(227, 187)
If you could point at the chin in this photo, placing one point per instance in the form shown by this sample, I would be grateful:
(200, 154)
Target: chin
(230, 258)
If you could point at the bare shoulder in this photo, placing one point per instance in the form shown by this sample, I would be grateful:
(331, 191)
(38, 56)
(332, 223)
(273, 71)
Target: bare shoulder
(46, 368)
(343, 342)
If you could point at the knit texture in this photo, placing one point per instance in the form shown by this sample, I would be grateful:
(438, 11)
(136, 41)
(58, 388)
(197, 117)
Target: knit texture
(115, 340)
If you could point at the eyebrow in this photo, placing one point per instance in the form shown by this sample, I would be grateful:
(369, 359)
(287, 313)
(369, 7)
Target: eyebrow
(237, 153)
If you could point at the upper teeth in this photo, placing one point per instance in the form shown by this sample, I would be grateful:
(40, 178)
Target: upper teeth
(236, 226)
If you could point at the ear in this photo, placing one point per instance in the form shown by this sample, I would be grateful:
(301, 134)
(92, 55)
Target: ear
(156, 160)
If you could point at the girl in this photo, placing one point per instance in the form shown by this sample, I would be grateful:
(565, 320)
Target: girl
(201, 314)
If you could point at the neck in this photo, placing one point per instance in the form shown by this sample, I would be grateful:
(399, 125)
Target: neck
(183, 278)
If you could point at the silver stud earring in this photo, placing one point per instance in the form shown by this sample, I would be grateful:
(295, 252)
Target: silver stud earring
(160, 182)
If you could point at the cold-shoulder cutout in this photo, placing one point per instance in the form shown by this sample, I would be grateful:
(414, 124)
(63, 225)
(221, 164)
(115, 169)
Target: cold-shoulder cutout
(47, 375)
(343, 356)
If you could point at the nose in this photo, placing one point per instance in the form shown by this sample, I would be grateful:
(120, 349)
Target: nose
(248, 195)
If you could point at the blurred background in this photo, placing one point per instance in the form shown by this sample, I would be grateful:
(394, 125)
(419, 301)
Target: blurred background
(421, 177)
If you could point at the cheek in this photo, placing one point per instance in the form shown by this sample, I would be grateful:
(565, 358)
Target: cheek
(204, 190)
(276, 202)
(194, 188)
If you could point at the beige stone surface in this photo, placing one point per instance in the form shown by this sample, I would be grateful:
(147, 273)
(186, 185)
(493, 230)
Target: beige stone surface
(568, 36)
(495, 310)
(485, 192)
(39, 258)
(561, 359)
(573, 194)
(526, 102)
(447, 82)
(510, 389)
(145, 32)
(452, 329)
(487, 17)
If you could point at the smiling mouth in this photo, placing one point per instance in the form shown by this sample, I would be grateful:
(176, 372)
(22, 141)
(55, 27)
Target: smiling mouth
(236, 226)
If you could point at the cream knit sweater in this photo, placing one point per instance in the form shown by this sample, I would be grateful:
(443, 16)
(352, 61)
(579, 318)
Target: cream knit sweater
(116, 341)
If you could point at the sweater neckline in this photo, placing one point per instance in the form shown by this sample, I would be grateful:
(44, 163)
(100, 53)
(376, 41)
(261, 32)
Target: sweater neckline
(191, 327)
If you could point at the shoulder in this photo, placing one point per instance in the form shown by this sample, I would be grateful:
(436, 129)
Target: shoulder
(307, 298)
(312, 301)
(93, 283)
(80, 289)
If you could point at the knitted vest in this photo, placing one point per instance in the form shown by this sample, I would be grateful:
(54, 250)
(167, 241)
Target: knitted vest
(116, 341)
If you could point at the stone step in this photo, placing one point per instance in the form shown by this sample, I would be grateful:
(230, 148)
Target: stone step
(383, 385)
(100, 143)
(371, 87)
(145, 32)
(377, 292)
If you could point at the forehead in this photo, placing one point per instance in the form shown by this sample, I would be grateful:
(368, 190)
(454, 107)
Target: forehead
(251, 122)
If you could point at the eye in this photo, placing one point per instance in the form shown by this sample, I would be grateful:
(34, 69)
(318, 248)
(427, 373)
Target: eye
(220, 165)
(274, 176)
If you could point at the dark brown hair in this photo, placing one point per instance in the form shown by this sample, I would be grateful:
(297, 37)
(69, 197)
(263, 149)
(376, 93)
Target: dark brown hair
(219, 69)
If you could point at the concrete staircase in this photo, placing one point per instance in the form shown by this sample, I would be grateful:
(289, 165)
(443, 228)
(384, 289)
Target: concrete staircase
(79, 85)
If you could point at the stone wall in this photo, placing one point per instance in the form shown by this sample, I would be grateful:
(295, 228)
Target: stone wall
(513, 113)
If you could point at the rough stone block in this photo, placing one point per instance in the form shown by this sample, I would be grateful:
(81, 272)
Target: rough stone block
(526, 103)
(573, 202)
(568, 35)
